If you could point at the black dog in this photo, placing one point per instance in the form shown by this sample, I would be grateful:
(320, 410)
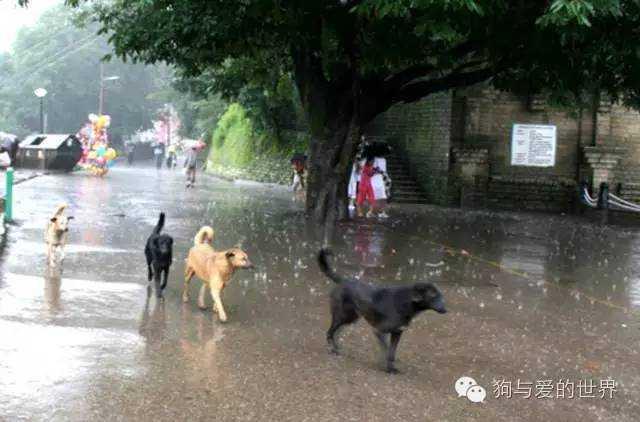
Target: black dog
(386, 309)
(159, 255)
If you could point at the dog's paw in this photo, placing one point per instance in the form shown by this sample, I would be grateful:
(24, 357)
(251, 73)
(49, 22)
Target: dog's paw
(392, 370)
(185, 298)
(222, 318)
(334, 351)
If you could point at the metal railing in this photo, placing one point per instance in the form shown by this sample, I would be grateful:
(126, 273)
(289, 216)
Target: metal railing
(606, 200)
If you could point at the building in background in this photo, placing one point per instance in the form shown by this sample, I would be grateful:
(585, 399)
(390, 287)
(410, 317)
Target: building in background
(481, 147)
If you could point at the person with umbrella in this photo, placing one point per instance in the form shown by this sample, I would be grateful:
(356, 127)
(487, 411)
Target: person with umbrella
(191, 161)
(8, 148)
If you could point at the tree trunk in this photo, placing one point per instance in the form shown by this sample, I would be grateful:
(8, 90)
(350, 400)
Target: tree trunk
(332, 113)
(329, 170)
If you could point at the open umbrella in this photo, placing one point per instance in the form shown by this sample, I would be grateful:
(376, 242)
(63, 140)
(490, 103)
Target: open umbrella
(376, 149)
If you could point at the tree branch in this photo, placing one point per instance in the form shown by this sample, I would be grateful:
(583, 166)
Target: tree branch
(418, 90)
(398, 80)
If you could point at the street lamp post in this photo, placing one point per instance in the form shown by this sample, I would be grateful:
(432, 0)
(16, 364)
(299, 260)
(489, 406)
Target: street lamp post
(40, 93)
(102, 81)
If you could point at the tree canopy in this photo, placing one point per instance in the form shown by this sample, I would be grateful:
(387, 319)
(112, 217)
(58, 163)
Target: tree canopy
(63, 56)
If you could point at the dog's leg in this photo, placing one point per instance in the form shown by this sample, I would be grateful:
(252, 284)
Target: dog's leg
(331, 333)
(147, 255)
(216, 290)
(203, 291)
(156, 280)
(337, 321)
(53, 256)
(382, 339)
(188, 275)
(391, 354)
(165, 277)
(342, 312)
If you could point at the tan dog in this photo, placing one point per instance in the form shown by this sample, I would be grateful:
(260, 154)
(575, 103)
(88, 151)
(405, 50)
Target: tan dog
(214, 268)
(56, 235)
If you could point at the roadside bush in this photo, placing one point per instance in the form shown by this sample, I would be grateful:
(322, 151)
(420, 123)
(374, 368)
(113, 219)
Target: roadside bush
(239, 151)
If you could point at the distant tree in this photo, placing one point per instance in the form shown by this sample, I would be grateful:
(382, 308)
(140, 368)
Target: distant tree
(63, 56)
(353, 59)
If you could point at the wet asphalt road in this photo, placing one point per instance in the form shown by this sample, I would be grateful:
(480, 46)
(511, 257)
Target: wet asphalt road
(530, 297)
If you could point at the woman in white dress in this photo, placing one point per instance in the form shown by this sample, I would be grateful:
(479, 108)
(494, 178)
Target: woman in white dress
(379, 186)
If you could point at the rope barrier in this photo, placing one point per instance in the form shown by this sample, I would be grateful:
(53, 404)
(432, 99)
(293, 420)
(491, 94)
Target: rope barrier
(615, 200)
(623, 207)
(587, 199)
(607, 200)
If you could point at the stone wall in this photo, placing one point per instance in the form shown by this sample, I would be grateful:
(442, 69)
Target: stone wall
(487, 122)
(420, 133)
(625, 133)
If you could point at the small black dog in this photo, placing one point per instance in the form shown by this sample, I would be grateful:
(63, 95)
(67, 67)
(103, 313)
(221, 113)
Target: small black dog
(159, 255)
(386, 309)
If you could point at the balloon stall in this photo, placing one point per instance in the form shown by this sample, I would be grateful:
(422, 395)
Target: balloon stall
(97, 157)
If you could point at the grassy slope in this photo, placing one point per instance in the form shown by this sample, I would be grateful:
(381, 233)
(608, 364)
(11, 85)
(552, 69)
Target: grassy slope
(238, 151)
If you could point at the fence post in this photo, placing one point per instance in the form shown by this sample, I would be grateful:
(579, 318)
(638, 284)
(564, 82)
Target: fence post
(8, 195)
(582, 201)
(603, 201)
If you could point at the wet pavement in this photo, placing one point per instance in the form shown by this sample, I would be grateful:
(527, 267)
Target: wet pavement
(533, 301)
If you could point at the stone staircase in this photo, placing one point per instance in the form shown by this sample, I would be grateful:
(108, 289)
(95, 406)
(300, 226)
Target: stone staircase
(404, 188)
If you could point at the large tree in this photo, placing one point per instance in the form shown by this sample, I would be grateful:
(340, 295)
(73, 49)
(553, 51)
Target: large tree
(353, 59)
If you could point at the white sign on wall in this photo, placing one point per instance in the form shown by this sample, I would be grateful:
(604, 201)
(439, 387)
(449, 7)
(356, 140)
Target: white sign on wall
(533, 145)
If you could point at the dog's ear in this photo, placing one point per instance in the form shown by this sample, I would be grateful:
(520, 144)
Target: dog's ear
(70, 217)
(230, 254)
(54, 219)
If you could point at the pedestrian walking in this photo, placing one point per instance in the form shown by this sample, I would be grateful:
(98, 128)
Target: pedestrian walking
(191, 164)
(158, 152)
(172, 157)
(130, 149)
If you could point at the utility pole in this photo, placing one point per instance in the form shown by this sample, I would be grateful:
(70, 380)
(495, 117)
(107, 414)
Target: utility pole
(41, 115)
(40, 93)
(169, 129)
(101, 100)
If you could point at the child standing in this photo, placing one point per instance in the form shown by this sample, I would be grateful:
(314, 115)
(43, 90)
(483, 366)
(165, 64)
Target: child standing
(365, 188)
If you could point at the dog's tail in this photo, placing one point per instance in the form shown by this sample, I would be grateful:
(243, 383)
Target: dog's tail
(60, 210)
(204, 233)
(326, 269)
(160, 224)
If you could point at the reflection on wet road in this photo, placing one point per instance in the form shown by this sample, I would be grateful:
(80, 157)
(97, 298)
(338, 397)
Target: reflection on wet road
(530, 298)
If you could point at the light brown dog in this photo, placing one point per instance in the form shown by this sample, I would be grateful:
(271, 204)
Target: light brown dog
(214, 268)
(56, 236)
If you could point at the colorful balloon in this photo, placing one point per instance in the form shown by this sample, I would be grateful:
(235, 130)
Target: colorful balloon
(110, 154)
